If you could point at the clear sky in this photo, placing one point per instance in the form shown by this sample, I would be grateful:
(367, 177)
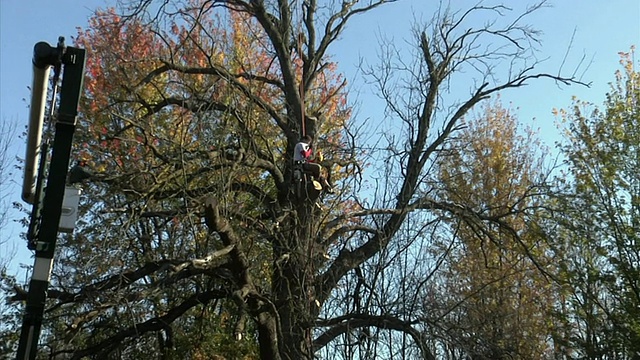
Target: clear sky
(602, 29)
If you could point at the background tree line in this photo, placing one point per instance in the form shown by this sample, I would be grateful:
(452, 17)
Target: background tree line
(451, 237)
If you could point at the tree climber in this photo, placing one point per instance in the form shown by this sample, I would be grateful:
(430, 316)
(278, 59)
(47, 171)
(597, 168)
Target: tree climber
(303, 155)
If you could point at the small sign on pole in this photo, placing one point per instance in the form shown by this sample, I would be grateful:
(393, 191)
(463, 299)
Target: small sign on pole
(69, 213)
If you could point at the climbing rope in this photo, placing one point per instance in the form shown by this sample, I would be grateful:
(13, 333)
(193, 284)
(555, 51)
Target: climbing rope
(301, 89)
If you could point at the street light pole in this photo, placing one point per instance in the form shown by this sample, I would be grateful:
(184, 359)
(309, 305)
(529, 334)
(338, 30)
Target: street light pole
(72, 61)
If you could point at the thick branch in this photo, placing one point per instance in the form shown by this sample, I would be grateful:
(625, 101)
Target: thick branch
(231, 79)
(155, 324)
(180, 269)
(247, 295)
(343, 324)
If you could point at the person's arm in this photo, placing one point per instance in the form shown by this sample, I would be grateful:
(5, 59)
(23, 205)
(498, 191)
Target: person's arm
(306, 151)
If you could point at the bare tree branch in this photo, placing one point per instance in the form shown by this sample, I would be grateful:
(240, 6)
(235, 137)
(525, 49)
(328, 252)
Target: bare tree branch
(340, 325)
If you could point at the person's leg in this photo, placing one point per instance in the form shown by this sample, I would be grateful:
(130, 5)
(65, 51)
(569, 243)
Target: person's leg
(313, 169)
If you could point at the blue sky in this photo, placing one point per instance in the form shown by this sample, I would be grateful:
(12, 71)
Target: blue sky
(602, 29)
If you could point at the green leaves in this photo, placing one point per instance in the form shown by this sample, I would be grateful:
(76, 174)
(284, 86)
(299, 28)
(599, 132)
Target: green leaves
(603, 156)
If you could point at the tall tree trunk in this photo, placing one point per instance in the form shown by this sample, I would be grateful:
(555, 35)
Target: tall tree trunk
(293, 296)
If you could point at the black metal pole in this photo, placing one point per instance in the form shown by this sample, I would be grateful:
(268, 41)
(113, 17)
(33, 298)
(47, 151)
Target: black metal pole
(73, 62)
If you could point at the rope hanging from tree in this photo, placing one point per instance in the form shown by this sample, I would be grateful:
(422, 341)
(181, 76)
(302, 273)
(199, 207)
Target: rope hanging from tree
(301, 89)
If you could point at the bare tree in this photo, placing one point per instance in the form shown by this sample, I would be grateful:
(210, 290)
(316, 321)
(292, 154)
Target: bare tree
(423, 95)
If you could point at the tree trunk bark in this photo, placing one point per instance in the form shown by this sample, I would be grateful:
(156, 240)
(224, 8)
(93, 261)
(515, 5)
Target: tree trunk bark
(292, 286)
(292, 303)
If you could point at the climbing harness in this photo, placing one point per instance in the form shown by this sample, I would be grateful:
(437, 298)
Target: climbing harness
(305, 186)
